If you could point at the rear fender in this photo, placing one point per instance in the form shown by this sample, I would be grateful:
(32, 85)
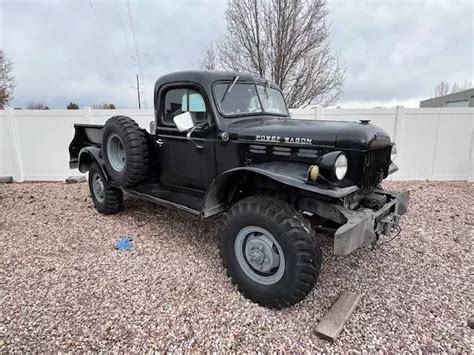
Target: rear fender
(89, 155)
(219, 194)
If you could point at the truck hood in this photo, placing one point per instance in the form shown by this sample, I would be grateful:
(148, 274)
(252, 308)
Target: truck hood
(339, 134)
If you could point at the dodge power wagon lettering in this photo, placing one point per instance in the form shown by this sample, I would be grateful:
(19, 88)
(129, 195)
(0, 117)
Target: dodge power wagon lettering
(225, 142)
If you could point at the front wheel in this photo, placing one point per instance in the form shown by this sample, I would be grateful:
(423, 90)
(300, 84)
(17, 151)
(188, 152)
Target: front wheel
(270, 251)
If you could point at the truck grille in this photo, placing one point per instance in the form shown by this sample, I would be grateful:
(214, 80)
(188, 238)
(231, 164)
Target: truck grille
(375, 166)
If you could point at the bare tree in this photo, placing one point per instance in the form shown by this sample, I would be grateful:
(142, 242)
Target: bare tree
(286, 41)
(441, 89)
(7, 81)
(466, 85)
(461, 87)
(209, 59)
(37, 106)
(104, 106)
(455, 88)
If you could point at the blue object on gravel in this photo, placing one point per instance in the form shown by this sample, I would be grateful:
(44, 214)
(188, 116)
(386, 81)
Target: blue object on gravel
(124, 244)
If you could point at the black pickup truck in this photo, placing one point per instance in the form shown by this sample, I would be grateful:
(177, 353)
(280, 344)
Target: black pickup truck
(225, 142)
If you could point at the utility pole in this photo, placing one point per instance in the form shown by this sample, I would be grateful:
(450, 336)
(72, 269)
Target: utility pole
(138, 93)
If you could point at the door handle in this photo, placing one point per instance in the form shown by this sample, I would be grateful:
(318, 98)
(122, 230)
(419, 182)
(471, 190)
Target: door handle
(188, 136)
(160, 142)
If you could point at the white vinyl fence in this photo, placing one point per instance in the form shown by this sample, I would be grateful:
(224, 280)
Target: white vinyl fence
(433, 143)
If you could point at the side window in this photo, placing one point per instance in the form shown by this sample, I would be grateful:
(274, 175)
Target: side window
(178, 101)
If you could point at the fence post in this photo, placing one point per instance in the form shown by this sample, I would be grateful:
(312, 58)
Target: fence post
(317, 113)
(470, 163)
(397, 132)
(17, 173)
(398, 124)
(87, 114)
(436, 144)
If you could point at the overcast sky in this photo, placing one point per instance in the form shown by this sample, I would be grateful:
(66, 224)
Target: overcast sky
(395, 51)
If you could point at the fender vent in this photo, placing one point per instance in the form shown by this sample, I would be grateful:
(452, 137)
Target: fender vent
(282, 151)
(258, 149)
(307, 153)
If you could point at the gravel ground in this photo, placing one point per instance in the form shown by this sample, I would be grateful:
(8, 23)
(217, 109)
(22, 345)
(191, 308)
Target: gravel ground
(64, 287)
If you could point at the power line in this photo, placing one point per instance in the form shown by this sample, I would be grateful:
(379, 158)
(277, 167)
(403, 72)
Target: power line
(103, 32)
(139, 61)
(132, 59)
(135, 39)
(124, 33)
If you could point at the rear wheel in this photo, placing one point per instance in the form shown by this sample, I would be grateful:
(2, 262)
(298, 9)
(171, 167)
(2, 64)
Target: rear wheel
(107, 199)
(270, 251)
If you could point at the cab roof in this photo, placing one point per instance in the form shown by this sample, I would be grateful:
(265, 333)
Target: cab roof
(206, 78)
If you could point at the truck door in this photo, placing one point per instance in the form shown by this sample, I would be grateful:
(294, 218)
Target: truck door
(183, 160)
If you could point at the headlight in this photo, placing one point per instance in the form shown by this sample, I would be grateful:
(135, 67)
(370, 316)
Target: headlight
(332, 166)
(393, 154)
(340, 166)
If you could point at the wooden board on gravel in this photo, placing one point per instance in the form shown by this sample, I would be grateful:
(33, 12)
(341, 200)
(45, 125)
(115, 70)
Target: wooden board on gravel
(6, 179)
(75, 179)
(332, 323)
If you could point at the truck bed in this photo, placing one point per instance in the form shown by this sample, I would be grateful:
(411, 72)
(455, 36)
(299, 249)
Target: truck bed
(86, 135)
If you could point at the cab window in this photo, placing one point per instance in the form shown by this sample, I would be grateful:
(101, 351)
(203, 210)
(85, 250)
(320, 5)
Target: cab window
(241, 99)
(182, 100)
(248, 98)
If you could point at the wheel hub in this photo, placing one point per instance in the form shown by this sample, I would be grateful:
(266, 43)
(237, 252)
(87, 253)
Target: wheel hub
(116, 152)
(259, 255)
(98, 187)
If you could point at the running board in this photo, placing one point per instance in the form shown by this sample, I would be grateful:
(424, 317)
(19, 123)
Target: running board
(165, 203)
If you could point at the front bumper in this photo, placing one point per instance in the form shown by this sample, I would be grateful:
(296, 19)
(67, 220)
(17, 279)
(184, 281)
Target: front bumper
(363, 226)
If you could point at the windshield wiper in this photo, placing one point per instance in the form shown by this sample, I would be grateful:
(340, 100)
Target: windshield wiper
(229, 87)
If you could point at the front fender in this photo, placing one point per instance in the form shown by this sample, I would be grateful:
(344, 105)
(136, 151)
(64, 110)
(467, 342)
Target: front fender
(287, 173)
(392, 168)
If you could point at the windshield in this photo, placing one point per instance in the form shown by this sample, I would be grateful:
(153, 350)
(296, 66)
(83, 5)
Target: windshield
(249, 98)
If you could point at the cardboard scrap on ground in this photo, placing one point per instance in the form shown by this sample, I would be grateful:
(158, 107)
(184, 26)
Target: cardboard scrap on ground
(332, 323)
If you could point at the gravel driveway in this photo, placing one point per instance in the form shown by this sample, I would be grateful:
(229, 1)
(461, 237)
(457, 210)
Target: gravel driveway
(64, 287)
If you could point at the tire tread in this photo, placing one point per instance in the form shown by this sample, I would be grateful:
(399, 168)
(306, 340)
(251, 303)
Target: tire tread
(113, 202)
(135, 141)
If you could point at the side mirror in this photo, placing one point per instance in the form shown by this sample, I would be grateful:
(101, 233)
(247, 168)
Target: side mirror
(184, 121)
